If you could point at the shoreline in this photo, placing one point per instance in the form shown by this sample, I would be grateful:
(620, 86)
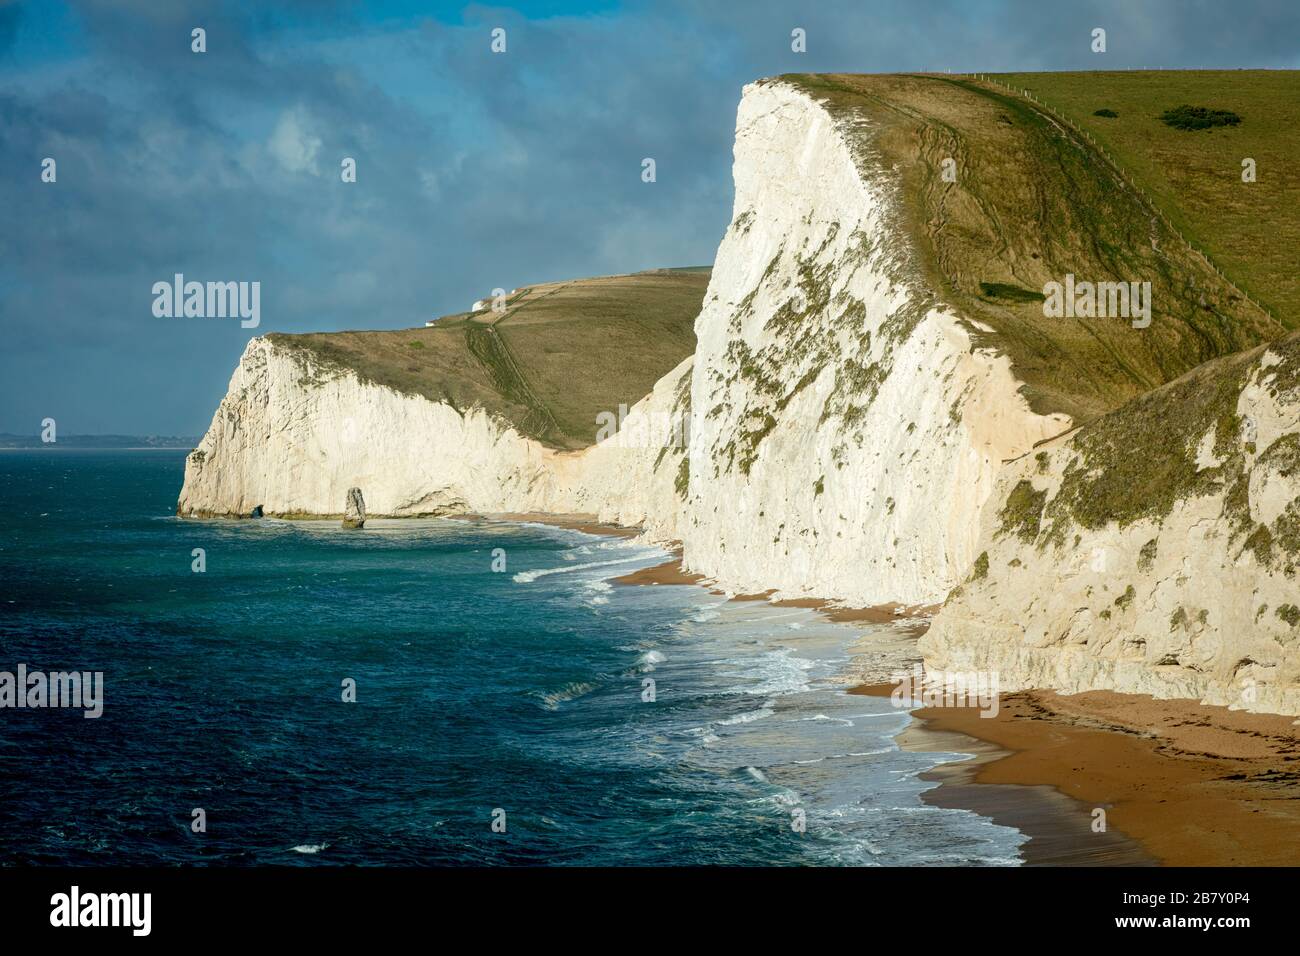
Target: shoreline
(671, 572)
(586, 523)
(1056, 826)
(1178, 783)
(1181, 783)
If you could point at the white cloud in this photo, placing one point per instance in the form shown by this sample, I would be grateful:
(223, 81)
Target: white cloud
(293, 145)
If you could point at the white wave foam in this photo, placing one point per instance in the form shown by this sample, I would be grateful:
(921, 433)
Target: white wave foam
(851, 753)
(525, 577)
(707, 612)
(597, 592)
(646, 662)
(570, 691)
(749, 716)
(835, 720)
(773, 673)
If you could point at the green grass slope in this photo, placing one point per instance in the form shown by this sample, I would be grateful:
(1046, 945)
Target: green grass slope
(1251, 230)
(1031, 201)
(561, 353)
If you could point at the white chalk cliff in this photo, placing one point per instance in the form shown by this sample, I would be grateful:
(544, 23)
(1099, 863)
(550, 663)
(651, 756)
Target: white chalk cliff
(847, 441)
(293, 435)
(844, 432)
(1154, 551)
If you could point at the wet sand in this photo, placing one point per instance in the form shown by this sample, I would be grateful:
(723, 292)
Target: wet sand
(916, 616)
(1185, 783)
(670, 572)
(587, 523)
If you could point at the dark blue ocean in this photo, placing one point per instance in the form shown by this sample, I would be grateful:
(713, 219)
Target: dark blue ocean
(477, 691)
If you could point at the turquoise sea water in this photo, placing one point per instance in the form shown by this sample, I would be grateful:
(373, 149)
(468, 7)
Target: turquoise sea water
(477, 692)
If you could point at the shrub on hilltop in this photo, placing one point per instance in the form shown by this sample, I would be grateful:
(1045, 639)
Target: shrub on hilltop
(1198, 117)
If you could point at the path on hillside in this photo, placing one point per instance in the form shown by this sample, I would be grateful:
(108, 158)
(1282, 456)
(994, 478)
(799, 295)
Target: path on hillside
(490, 348)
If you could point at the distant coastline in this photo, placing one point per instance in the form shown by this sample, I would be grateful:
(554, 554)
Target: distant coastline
(11, 442)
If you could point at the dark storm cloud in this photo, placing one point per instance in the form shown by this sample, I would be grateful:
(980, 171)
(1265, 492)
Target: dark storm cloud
(474, 170)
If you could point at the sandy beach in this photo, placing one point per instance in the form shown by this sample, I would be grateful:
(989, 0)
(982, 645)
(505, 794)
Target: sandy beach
(672, 572)
(1189, 784)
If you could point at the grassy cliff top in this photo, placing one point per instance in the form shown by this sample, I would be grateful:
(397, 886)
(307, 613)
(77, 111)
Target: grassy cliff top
(1251, 230)
(1029, 200)
(559, 355)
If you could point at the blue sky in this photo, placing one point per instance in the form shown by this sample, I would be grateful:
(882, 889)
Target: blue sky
(475, 170)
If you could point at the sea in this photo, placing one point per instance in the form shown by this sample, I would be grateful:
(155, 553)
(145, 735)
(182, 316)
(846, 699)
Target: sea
(423, 693)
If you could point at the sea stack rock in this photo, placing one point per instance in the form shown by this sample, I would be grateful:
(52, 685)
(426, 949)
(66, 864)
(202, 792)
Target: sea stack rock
(354, 512)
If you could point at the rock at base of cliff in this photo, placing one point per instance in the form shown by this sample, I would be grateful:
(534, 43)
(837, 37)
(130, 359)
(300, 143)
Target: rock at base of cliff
(354, 512)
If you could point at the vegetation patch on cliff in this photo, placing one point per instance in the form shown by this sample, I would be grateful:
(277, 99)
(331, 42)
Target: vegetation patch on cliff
(1022, 513)
(1142, 460)
(1012, 293)
(1139, 461)
(1198, 117)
